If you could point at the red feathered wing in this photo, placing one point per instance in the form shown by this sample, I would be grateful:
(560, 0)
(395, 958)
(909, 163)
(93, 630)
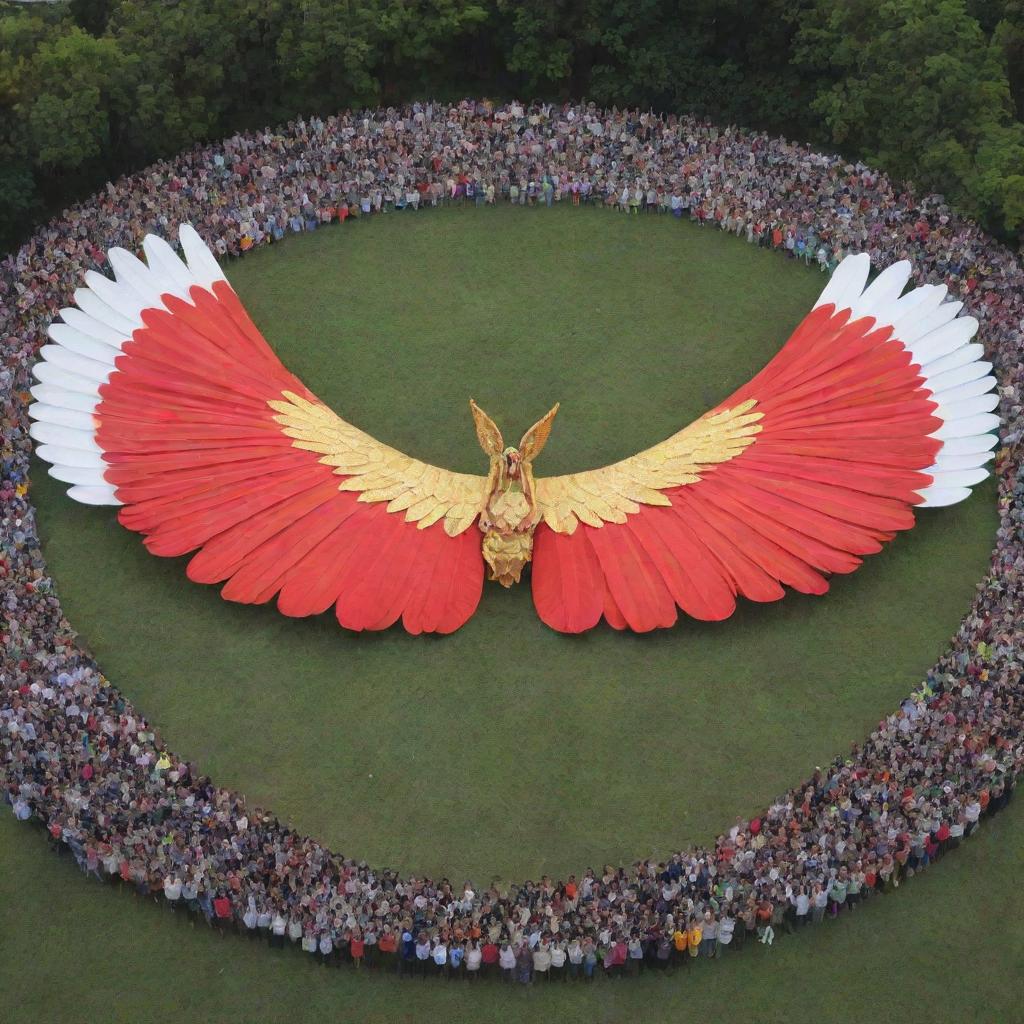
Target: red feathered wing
(187, 443)
(850, 440)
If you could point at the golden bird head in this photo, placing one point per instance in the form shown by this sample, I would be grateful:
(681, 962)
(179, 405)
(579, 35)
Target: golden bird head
(513, 458)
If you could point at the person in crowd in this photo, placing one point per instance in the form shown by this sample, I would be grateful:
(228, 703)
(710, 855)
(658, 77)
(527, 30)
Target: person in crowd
(541, 961)
(474, 960)
(726, 930)
(507, 961)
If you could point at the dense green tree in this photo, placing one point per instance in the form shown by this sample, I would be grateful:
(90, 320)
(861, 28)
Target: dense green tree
(1008, 38)
(724, 58)
(58, 87)
(92, 15)
(76, 83)
(339, 55)
(916, 87)
(204, 67)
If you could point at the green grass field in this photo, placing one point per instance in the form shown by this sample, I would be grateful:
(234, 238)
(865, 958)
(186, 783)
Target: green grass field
(507, 750)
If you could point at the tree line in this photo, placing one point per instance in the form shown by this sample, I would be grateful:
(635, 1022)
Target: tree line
(932, 91)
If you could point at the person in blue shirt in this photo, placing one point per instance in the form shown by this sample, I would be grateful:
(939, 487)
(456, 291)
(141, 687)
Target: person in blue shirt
(456, 954)
(407, 953)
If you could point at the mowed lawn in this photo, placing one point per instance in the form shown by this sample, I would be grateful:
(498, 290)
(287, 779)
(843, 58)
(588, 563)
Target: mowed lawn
(507, 750)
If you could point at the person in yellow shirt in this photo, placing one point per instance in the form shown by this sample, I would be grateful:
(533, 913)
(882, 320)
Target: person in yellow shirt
(680, 942)
(693, 936)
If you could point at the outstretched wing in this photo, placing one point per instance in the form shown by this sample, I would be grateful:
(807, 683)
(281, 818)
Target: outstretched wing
(877, 403)
(161, 396)
(487, 432)
(537, 436)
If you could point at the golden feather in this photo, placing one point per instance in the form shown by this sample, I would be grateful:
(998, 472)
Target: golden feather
(424, 493)
(609, 494)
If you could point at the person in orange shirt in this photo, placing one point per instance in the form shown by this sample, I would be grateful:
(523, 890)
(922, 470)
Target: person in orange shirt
(387, 944)
(571, 890)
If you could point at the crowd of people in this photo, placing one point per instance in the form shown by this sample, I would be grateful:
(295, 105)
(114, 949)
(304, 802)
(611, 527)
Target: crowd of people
(77, 757)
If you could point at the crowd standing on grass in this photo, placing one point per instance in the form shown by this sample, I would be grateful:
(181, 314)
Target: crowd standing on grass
(77, 757)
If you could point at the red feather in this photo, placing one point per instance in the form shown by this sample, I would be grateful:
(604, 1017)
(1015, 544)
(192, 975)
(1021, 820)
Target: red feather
(568, 586)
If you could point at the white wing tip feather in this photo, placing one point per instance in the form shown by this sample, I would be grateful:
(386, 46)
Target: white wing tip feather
(939, 342)
(83, 353)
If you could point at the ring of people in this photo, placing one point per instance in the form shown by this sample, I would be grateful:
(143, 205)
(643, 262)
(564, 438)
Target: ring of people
(902, 412)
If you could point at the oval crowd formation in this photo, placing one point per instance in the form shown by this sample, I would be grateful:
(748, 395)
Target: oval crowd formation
(78, 759)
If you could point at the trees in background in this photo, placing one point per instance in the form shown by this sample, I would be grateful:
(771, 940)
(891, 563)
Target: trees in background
(930, 90)
(918, 87)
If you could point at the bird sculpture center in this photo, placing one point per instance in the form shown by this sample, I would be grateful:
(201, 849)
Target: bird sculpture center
(510, 513)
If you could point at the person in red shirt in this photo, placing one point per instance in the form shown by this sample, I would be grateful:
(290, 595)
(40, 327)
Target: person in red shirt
(357, 947)
(489, 958)
(620, 954)
(221, 911)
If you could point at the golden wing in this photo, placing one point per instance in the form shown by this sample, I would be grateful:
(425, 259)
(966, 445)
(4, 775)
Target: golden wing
(487, 432)
(609, 494)
(378, 472)
(537, 436)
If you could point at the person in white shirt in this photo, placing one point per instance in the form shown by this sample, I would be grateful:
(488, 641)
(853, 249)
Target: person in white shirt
(541, 960)
(575, 955)
(439, 954)
(326, 947)
(558, 958)
(819, 901)
(726, 927)
(190, 894)
(473, 960)
(972, 812)
(172, 889)
(422, 953)
(801, 905)
(956, 832)
(507, 962)
(250, 918)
